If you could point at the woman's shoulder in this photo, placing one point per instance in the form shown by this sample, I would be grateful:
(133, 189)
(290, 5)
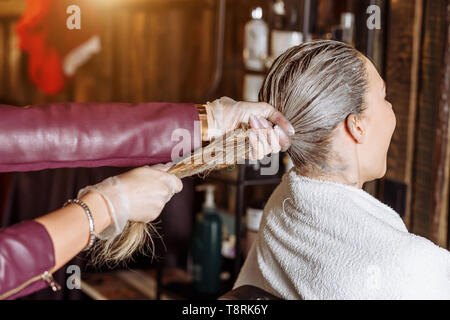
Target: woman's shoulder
(420, 248)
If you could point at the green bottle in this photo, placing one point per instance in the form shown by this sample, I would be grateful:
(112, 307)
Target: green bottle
(207, 246)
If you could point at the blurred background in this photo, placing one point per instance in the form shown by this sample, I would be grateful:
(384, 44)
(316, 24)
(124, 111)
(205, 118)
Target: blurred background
(197, 51)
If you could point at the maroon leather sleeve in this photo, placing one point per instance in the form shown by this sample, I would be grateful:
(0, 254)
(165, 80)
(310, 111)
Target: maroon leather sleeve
(26, 251)
(92, 134)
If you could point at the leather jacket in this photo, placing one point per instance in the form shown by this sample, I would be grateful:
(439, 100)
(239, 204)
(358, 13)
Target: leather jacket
(77, 135)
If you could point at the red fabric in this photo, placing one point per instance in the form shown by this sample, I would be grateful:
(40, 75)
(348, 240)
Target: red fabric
(43, 34)
(70, 135)
(26, 251)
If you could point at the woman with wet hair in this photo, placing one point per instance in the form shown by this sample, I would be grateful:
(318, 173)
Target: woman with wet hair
(322, 236)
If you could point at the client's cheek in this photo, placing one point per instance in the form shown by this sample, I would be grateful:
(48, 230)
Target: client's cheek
(389, 125)
(391, 117)
(394, 120)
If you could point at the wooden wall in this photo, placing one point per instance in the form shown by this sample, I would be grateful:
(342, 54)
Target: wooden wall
(430, 204)
(403, 54)
(416, 46)
(151, 51)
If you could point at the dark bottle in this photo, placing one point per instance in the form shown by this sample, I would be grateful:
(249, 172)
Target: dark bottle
(207, 246)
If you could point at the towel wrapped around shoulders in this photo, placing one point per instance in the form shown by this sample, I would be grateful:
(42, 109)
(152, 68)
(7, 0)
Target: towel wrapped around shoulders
(326, 240)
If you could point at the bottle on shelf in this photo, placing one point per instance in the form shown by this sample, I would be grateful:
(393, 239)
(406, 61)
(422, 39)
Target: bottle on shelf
(345, 32)
(207, 246)
(279, 14)
(348, 28)
(285, 32)
(256, 43)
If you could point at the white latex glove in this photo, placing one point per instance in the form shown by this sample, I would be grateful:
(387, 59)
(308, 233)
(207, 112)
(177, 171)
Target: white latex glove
(225, 115)
(264, 139)
(137, 195)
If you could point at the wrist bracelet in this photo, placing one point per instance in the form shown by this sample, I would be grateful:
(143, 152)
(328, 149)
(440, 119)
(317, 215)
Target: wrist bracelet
(91, 220)
(202, 115)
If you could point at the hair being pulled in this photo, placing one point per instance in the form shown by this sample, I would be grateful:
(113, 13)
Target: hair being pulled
(315, 86)
(224, 152)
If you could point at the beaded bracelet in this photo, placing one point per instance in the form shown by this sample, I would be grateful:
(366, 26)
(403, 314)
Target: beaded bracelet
(91, 220)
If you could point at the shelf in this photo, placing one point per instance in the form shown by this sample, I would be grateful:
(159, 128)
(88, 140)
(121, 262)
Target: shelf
(120, 285)
(253, 182)
(185, 291)
(143, 285)
(222, 179)
(257, 182)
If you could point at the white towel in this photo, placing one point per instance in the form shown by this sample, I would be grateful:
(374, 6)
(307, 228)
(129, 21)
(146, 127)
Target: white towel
(326, 240)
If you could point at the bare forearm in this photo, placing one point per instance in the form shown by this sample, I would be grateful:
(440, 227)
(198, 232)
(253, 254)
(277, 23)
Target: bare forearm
(69, 227)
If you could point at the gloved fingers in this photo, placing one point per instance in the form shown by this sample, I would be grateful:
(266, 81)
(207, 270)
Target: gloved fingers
(285, 128)
(264, 123)
(137, 195)
(226, 114)
(283, 139)
(262, 109)
(274, 135)
(173, 183)
(259, 143)
(277, 118)
(254, 144)
(274, 140)
(264, 143)
(261, 122)
(254, 122)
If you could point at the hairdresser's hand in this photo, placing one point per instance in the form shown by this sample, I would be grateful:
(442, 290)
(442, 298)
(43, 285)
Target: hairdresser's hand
(148, 190)
(264, 139)
(137, 195)
(225, 115)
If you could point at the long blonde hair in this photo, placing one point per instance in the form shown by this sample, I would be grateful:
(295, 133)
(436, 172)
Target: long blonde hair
(138, 236)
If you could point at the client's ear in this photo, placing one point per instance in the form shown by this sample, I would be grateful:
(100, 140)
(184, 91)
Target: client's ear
(356, 128)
